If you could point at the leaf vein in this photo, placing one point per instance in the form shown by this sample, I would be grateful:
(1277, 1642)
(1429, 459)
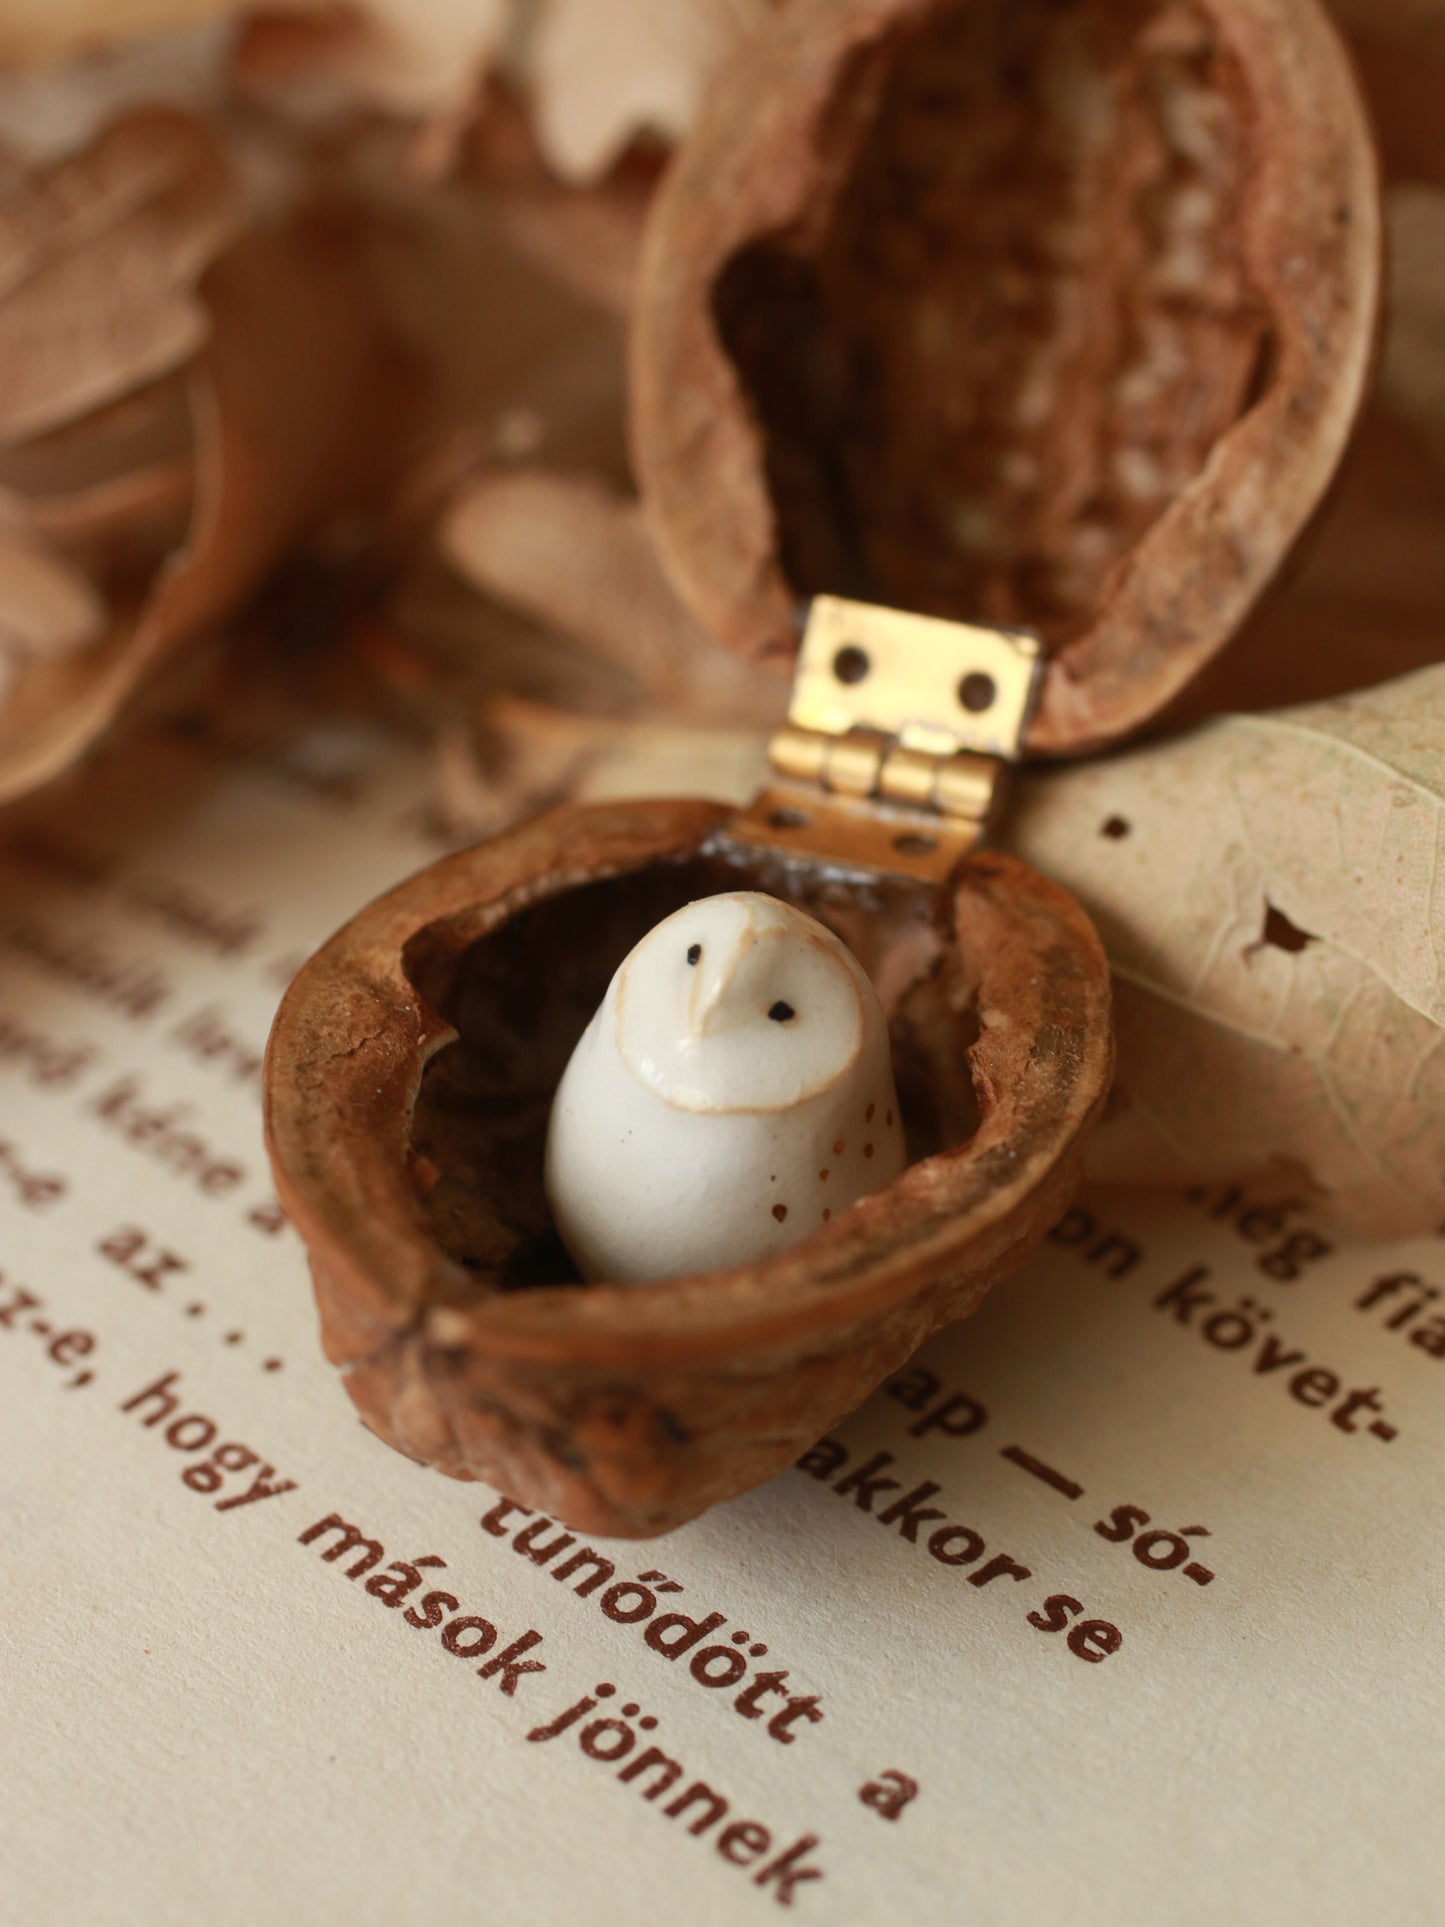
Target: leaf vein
(1343, 746)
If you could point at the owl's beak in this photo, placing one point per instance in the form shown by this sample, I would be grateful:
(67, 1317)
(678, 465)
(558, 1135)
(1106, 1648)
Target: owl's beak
(711, 1007)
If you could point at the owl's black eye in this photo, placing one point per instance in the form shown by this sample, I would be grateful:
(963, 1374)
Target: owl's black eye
(781, 1012)
(694, 951)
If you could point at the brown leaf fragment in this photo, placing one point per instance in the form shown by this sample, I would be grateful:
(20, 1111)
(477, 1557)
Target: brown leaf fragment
(298, 398)
(524, 757)
(291, 407)
(503, 343)
(117, 527)
(151, 426)
(603, 74)
(1269, 891)
(588, 238)
(112, 491)
(99, 259)
(573, 553)
(406, 57)
(43, 32)
(47, 608)
(50, 110)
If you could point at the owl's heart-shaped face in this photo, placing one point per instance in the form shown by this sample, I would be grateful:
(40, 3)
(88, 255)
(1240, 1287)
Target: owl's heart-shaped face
(739, 1003)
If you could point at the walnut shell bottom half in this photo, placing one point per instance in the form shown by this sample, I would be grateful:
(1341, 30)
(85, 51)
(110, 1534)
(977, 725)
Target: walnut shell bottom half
(408, 1082)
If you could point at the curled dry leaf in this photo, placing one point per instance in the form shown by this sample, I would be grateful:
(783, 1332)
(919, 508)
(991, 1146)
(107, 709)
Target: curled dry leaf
(47, 608)
(99, 261)
(114, 525)
(1269, 891)
(109, 495)
(287, 405)
(100, 257)
(50, 111)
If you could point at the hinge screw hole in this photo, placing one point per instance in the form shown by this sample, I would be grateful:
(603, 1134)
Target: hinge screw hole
(977, 692)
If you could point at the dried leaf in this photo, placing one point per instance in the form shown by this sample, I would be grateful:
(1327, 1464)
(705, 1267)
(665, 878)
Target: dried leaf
(407, 57)
(44, 32)
(117, 528)
(289, 403)
(521, 372)
(47, 607)
(505, 347)
(151, 426)
(50, 111)
(112, 491)
(1269, 891)
(525, 757)
(588, 238)
(99, 259)
(603, 74)
(574, 554)
(298, 396)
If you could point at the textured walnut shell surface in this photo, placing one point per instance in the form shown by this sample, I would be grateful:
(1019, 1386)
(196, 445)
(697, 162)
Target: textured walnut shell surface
(407, 1084)
(1054, 313)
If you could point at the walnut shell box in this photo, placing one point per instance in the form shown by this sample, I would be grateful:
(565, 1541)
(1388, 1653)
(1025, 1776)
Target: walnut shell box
(1047, 315)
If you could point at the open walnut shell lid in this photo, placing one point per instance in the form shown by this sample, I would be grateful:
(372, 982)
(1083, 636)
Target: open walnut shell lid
(1056, 316)
(408, 1081)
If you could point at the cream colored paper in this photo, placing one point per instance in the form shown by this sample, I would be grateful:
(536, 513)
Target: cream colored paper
(1231, 1711)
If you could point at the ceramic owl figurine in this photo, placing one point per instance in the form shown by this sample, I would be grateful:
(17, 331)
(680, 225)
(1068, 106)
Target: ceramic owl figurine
(732, 1093)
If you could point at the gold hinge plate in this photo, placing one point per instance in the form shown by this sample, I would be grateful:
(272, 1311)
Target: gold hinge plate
(899, 731)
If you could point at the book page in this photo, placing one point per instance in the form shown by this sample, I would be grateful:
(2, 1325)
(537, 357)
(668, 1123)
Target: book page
(1120, 1603)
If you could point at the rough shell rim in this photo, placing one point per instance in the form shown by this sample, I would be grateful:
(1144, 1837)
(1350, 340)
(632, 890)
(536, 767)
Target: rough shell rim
(352, 1037)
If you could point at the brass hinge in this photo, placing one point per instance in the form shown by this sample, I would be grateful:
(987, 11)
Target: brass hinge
(899, 732)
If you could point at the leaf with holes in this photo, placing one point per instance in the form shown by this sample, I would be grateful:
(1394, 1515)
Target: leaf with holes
(1269, 890)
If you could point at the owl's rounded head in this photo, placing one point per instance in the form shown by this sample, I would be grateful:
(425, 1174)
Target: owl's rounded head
(740, 1003)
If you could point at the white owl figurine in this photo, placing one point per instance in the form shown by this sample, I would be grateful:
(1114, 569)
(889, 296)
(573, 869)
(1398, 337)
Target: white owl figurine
(732, 1093)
